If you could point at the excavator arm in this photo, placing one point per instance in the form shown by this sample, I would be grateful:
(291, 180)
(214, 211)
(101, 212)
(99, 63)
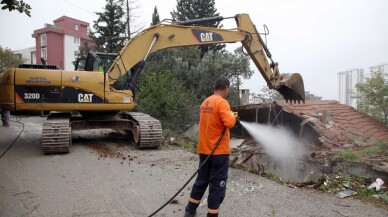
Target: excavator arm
(95, 91)
(134, 54)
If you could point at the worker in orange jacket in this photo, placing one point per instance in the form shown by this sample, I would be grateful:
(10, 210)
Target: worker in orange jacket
(215, 115)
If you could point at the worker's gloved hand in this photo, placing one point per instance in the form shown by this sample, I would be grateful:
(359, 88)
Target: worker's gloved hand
(235, 115)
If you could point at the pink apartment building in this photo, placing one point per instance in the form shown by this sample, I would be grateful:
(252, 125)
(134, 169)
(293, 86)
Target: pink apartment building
(58, 44)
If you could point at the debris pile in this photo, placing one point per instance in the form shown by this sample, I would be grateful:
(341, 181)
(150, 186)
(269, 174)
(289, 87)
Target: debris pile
(331, 131)
(105, 151)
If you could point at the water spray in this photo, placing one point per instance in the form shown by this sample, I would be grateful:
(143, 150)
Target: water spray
(280, 144)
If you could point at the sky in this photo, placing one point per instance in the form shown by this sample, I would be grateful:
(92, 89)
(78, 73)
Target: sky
(316, 38)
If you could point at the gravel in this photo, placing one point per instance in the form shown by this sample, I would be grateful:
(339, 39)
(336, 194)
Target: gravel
(104, 175)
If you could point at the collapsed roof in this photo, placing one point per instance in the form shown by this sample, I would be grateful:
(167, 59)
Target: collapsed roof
(323, 123)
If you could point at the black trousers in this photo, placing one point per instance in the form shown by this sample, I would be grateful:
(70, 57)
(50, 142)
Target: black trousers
(214, 173)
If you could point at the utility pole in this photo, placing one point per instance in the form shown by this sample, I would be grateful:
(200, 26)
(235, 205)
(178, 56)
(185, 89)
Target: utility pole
(128, 26)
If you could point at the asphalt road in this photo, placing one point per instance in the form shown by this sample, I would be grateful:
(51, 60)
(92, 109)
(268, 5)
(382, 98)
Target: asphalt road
(102, 176)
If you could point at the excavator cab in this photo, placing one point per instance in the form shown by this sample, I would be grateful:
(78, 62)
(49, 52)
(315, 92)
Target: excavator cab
(95, 61)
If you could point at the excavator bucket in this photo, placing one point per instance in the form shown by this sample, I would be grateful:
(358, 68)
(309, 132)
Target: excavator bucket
(291, 87)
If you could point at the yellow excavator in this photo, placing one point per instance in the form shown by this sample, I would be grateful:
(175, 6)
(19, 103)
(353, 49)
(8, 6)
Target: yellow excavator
(94, 87)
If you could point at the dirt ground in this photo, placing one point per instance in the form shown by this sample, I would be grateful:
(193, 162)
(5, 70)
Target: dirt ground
(104, 175)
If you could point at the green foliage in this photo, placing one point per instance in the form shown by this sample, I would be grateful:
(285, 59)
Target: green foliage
(347, 156)
(155, 17)
(335, 182)
(8, 59)
(190, 75)
(234, 96)
(378, 148)
(274, 178)
(189, 10)
(242, 166)
(110, 28)
(266, 95)
(383, 145)
(195, 75)
(216, 64)
(371, 150)
(82, 51)
(188, 144)
(165, 98)
(20, 6)
(366, 192)
(372, 97)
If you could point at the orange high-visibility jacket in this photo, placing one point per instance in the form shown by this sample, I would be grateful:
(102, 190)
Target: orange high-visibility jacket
(215, 114)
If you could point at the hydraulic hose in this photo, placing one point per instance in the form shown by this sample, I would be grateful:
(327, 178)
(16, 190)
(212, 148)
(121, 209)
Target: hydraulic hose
(192, 176)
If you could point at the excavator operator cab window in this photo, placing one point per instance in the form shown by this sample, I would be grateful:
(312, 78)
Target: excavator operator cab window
(106, 59)
(97, 67)
(80, 64)
(99, 62)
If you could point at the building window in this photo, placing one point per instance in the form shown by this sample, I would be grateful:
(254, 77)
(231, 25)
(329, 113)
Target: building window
(76, 40)
(43, 39)
(44, 54)
(76, 27)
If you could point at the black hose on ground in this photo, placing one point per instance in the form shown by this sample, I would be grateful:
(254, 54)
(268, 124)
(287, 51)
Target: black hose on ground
(192, 176)
(18, 120)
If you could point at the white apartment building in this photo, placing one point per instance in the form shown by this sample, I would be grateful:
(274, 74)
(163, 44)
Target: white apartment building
(382, 68)
(347, 81)
(28, 55)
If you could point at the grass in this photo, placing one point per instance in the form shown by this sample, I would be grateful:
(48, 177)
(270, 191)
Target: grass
(347, 156)
(353, 156)
(274, 178)
(334, 183)
(185, 143)
(243, 167)
(383, 145)
(365, 192)
(371, 150)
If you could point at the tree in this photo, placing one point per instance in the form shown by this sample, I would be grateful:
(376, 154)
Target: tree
(110, 28)
(82, 51)
(311, 96)
(20, 6)
(8, 59)
(185, 70)
(215, 64)
(131, 16)
(372, 97)
(239, 67)
(155, 17)
(266, 96)
(188, 10)
(164, 97)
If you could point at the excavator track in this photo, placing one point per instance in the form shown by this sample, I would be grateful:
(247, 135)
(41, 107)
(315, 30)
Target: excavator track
(56, 134)
(147, 131)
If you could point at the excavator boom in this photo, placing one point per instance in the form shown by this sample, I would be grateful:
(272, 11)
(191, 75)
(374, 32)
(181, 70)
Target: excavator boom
(96, 90)
(181, 34)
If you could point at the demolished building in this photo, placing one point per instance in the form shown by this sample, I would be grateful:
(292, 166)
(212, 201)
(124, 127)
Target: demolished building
(325, 127)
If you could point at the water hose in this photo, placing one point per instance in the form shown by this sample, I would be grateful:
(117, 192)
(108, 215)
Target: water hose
(192, 176)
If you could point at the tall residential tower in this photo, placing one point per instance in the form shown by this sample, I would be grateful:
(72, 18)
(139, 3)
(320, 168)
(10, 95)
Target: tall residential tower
(347, 81)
